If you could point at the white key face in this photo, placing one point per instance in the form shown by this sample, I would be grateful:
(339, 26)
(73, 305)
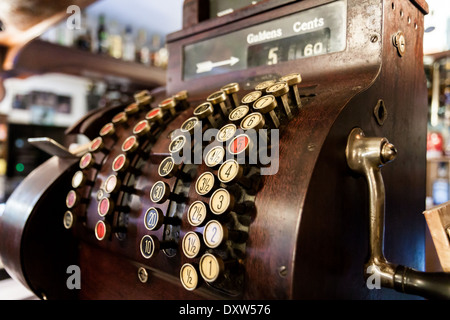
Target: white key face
(204, 183)
(209, 267)
(251, 121)
(158, 192)
(166, 166)
(213, 234)
(177, 144)
(189, 277)
(214, 156)
(228, 171)
(220, 201)
(68, 220)
(147, 246)
(238, 113)
(196, 213)
(226, 133)
(251, 97)
(77, 179)
(191, 245)
(189, 124)
(111, 184)
(263, 102)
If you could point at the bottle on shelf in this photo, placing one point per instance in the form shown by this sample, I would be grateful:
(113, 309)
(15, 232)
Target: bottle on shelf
(83, 40)
(115, 41)
(441, 184)
(163, 57)
(142, 48)
(154, 51)
(129, 47)
(102, 36)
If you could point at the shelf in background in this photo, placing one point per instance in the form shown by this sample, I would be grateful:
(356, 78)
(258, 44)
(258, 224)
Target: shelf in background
(39, 57)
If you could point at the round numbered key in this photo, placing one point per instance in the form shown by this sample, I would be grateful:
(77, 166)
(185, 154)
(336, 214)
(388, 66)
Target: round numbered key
(226, 132)
(217, 99)
(160, 192)
(293, 79)
(107, 130)
(120, 163)
(155, 115)
(177, 144)
(266, 105)
(251, 97)
(87, 161)
(142, 128)
(211, 267)
(68, 220)
(181, 98)
(191, 244)
(240, 145)
(130, 145)
(221, 201)
(254, 121)
(206, 111)
(280, 91)
(205, 183)
(79, 179)
(230, 171)
(72, 199)
(148, 246)
(214, 234)
(105, 207)
(153, 219)
(168, 168)
(143, 98)
(262, 86)
(189, 277)
(231, 90)
(132, 109)
(214, 157)
(197, 213)
(236, 115)
(190, 125)
(119, 118)
(168, 105)
(97, 145)
(102, 230)
(112, 184)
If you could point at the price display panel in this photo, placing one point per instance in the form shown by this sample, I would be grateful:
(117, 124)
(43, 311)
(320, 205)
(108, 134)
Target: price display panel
(313, 32)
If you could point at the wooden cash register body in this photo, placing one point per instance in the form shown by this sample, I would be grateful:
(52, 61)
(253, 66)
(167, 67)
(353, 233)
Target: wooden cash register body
(309, 236)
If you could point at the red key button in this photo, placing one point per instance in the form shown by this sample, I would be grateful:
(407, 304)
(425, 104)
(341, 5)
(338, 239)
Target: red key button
(102, 230)
(130, 144)
(105, 207)
(239, 144)
(87, 161)
(120, 163)
(131, 109)
(141, 128)
(107, 130)
(72, 199)
(121, 117)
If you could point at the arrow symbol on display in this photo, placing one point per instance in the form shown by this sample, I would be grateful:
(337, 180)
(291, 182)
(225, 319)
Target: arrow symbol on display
(207, 66)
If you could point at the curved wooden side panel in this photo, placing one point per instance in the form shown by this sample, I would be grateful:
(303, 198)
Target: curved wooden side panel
(36, 251)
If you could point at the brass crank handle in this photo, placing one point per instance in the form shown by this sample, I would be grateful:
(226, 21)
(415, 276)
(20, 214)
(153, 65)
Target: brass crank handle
(366, 156)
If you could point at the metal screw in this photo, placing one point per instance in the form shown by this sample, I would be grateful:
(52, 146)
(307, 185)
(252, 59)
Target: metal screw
(142, 275)
(373, 38)
(399, 42)
(282, 271)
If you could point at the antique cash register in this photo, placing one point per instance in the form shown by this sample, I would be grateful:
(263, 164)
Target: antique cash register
(255, 173)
